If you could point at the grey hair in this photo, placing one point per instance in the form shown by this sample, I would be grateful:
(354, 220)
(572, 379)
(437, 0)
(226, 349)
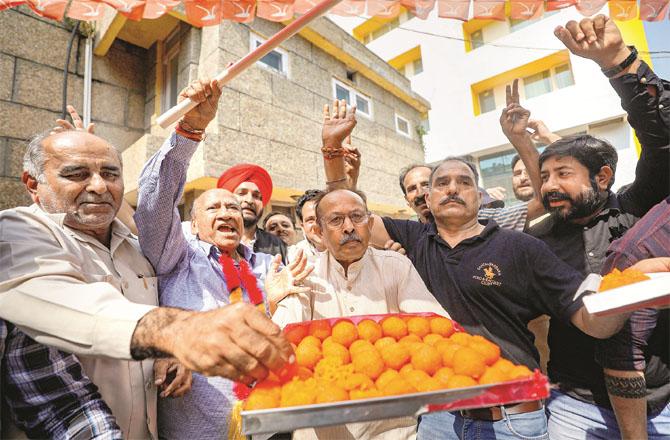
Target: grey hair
(33, 159)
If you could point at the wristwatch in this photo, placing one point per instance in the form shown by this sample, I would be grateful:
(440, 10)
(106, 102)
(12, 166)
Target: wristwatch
(612, 71)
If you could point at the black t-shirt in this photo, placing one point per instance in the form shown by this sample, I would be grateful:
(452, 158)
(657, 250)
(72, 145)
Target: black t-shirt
(270, 244)
(492, 284)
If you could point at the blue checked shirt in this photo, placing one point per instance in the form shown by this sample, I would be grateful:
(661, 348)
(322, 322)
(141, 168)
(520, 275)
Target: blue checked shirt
(47, 393)
(190, 277)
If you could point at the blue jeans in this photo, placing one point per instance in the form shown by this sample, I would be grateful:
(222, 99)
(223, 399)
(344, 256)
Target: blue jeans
(572, 419)
(447, 425)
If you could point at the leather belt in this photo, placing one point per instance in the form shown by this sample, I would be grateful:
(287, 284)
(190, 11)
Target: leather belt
(495, 413)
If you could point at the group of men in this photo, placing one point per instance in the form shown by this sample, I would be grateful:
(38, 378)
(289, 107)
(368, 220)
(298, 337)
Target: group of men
(161, 324)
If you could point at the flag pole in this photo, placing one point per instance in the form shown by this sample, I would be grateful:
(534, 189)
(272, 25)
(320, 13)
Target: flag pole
(173, 114)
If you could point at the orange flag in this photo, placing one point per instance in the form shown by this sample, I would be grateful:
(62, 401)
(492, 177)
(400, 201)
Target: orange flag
(203, 12)
(133, 9)
(384, 8)
(85, 10)
(525, 9)
(653, 10)
(347, 8)
(242, 11)
(157, 8)
(623, 10)
(54, 9)
(457, 9)
(275, 10)
(553, 5)
(590, 7)
(420, 8)
(489, 9)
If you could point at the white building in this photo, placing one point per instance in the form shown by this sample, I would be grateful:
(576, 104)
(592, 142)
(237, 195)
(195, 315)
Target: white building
(462, 69)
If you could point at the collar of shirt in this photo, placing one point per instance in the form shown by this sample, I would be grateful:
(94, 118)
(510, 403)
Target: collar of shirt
(354, 268)
(489, 227)
(213, 252)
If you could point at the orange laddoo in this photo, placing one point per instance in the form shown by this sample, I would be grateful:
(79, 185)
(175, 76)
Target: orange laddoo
(489, 350)
(448, 352)
(418, 326)
(395, 355)
(355, 381)
(460, 381)
(385, 378)
(503, 365)
(468, 362)
(296, 334)
(369, 330)
(344, 332)
(415, 377)
(442, 345)
(432, 339)
(359, 346)
(310, 340)
(398, 385)
(410, 339)
(617, 278)
(337, 350)
(383, 342)
(430, 384)
(443, 374)
(327, 341)
(441, 326)
(319, 329)
(307, 355)
(492, 375)
(426, 359)
(261, 400)
(365, 394)
(394, 327)
(519, 372)
(460, 338)
(298, 392)
(329, 392)
(369, 363)
(407, 368)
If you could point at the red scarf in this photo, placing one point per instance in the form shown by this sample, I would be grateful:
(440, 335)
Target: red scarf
(237, 279)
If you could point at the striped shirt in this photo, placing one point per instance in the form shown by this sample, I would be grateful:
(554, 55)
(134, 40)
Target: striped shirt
(513, 217)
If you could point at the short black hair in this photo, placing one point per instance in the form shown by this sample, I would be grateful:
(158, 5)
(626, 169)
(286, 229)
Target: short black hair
(589, 151)
(323, 194)
(515, 159)
(273, 213)
(407, 169)
(470, 165)
(310, 194)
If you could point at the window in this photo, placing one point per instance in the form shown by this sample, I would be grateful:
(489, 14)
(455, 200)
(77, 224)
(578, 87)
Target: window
(537, 84)
(276, 60)
(402, 126)
(418, 66)
(386, 27)
(564, 76)
(353, 96)
(487, 101)
(170, 61)
(476, 39)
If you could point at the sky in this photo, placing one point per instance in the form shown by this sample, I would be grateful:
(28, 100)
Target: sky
(658, 38)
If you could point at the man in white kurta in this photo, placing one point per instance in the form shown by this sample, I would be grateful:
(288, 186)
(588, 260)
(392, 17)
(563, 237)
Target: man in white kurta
(350, 279)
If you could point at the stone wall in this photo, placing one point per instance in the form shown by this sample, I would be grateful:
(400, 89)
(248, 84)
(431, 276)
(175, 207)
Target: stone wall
(275, 120)
(32, 57)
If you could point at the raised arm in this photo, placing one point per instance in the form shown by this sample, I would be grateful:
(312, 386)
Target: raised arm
(162, 181)
(514, 121)
(341, 164)
(644, 97)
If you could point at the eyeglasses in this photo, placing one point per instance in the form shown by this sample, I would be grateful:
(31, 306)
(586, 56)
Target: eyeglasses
(357, 218)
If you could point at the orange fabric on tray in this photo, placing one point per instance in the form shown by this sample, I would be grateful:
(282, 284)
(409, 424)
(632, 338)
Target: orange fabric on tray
(617, 278)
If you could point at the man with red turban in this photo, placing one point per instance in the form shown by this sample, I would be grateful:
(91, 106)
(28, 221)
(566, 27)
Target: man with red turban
(253, 186)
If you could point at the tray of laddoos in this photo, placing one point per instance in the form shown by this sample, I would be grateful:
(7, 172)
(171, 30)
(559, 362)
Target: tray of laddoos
(376, 367)
(628, 290)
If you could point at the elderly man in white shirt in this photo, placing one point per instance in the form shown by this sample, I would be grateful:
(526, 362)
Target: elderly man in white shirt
(350, 279)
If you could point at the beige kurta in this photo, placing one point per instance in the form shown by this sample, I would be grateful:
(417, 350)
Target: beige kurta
(64, 288)
(380, 282)
(306, 247)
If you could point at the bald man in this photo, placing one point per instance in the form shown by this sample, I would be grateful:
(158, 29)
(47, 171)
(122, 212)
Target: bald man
(204, 270)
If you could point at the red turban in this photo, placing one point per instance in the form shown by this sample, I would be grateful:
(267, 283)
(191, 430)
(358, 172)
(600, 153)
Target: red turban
(247, 172)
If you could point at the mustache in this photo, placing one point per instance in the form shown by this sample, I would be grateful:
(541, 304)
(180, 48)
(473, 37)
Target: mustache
(95, 198)
(420, 200)
(554, 196)
(250, 206)
(349, 238)
(452, 198)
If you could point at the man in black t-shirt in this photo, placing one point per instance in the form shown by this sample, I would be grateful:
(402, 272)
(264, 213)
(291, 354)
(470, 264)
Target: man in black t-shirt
(493, 282)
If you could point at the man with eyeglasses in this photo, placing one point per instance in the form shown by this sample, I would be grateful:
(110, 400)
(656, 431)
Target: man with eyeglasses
(350, 278)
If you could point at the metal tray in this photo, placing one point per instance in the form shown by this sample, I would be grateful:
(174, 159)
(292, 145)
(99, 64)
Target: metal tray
(289, 419)
(648, 293)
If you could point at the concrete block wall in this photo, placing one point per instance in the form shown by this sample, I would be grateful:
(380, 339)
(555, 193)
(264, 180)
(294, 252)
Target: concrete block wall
(32, 57)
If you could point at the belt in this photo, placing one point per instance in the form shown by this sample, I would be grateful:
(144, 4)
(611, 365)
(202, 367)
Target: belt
(495, 413)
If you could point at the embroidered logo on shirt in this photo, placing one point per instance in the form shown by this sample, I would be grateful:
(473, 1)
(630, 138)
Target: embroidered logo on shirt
(490, 271)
